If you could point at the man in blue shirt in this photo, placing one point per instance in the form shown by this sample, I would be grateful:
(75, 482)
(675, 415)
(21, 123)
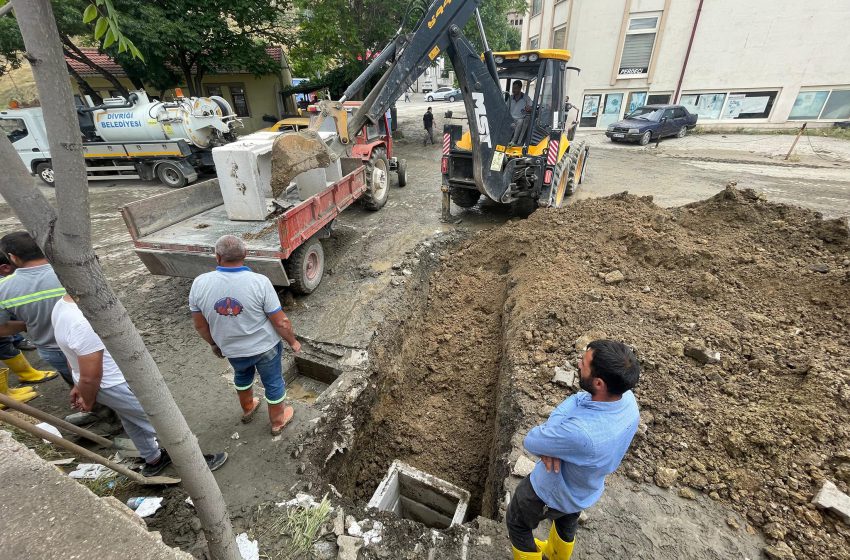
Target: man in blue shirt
(583, 441)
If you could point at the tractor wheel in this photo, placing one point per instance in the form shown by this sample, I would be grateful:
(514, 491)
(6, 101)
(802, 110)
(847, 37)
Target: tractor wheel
(44, 171)
(569, 173)
(401, 171)
(306, 266)
(465, 198)
(377, 181)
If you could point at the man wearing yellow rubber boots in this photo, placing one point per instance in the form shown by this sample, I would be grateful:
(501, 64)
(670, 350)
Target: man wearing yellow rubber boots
(27, 298)
(583, 441)
(12, 356)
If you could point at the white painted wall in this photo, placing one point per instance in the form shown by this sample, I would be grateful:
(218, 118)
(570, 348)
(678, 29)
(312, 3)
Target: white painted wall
(780, 45)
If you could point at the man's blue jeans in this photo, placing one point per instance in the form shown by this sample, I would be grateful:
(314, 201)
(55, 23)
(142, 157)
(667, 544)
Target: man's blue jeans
(270, 369)
(57, 361)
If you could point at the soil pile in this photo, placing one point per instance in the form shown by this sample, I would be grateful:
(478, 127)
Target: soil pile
(764, 285)
(739, 310)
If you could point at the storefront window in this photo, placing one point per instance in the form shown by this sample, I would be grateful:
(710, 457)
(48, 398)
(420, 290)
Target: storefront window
(706, 105)
(749, 105)
(590, 110)
(611, 110)
(636, 99)
(838, 105)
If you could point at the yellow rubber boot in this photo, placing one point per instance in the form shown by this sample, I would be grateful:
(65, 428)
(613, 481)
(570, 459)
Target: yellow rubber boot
(556, 548)
(20, 395)
(520, 555)
(26, 373)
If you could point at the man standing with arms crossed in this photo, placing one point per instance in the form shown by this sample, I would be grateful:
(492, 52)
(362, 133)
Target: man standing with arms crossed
(239, 314)
(582, 442)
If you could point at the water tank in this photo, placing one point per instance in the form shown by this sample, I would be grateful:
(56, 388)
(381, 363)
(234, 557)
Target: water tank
(201, 121)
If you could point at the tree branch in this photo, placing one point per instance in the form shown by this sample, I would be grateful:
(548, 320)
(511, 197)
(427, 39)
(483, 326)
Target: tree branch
(74, 52)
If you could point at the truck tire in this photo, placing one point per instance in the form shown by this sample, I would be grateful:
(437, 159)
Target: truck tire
(171, 175)
(44, 171)
(401, 171)
(377, 181)
(306, 266)
(465, 198)
(569, 173)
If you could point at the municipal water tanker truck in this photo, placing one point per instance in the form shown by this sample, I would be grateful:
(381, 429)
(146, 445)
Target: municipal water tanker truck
(133, 138)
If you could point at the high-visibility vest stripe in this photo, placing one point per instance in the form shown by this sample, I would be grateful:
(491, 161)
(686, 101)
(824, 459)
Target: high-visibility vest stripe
(32, 298)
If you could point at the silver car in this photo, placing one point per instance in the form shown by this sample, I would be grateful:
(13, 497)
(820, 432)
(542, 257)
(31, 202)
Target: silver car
(444, 94)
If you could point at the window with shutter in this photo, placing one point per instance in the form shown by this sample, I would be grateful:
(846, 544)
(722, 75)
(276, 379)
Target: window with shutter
(638, 45)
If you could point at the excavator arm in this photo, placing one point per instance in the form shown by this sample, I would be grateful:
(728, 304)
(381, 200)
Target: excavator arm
(402, 61)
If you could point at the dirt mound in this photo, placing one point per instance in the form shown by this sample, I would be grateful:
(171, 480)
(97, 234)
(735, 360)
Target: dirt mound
(765, 285)
(738, 308)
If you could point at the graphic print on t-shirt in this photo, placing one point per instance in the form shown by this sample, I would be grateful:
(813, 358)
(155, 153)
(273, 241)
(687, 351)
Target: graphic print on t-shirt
(228, 306)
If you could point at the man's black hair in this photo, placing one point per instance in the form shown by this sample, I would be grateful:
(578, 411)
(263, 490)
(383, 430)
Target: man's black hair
(4, 259)
(616, 364)
(22, 245)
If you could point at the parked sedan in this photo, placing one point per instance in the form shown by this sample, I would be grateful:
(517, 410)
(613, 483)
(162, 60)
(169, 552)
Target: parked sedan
(651, 122)
(444, 94)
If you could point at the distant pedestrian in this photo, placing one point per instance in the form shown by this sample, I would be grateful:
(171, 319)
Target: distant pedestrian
(407, 95)
(239, 314)
(583, 441)
(97, 379)
(428, 121)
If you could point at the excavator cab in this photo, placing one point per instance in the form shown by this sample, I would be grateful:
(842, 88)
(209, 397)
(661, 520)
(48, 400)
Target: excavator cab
(536, 138)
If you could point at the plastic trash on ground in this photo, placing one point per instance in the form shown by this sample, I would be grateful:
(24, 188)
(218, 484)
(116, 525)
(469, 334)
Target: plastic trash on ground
(48, 428)
(90, 471)
(248, 549)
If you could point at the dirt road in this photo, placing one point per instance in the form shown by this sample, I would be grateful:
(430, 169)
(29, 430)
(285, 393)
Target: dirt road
(362, 289)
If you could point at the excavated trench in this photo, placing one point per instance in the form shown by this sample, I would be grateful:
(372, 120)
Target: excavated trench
(438, 399)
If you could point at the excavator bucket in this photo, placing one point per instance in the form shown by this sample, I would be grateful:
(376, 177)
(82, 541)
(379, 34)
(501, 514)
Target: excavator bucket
(295, 153)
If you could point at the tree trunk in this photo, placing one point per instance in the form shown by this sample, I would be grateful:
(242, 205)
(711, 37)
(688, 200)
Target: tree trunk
(84, 86)
(71, 50)
(66, 240)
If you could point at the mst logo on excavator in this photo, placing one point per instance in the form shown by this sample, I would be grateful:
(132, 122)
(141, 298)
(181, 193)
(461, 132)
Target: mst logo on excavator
(481, 118)
(433, 21)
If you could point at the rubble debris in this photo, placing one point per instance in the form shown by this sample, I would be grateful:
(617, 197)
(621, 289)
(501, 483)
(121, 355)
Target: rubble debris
(523, 466)
(665, 477)
(614, 277)
(702, 355)
(565, 376)
(831, 498)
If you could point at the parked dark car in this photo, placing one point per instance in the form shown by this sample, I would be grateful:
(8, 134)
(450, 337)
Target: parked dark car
(651, 122)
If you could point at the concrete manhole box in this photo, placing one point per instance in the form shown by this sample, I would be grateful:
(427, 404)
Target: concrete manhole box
(419, 496)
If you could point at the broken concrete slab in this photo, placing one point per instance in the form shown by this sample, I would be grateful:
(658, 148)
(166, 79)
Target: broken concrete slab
(523, 466)
(831, 498)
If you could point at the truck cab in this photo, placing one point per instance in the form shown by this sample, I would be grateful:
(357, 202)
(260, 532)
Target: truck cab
(26, 131)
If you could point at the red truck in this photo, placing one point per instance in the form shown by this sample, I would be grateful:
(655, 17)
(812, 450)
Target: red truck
(174, 233)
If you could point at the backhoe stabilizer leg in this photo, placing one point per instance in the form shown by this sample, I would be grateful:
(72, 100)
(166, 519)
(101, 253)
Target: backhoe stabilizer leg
(446, 207)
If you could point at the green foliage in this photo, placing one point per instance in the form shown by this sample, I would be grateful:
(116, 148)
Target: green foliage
(333, 33)
(197, 37)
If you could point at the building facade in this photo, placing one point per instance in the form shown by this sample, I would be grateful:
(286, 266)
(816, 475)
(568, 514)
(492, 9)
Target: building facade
(753, 63)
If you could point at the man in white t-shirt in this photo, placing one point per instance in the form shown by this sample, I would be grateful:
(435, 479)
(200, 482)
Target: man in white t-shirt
(98, 379)
(238, 313)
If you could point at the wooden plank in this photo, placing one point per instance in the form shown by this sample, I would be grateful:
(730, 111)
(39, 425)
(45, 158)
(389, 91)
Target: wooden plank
(157, 212)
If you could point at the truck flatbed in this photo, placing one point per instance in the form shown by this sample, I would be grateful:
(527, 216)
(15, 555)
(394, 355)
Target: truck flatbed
(174, 233)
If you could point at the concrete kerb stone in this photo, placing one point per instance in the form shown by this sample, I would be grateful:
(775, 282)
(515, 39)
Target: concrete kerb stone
(41, 512)
(413, 494)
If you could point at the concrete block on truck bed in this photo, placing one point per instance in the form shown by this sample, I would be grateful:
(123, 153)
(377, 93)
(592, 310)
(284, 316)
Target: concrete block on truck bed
(244, 175)
(419, 496)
